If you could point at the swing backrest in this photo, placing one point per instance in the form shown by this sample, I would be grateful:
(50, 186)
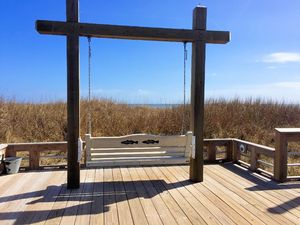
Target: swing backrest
(138, 149)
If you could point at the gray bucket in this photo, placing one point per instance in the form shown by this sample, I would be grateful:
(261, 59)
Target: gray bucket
(12, 164)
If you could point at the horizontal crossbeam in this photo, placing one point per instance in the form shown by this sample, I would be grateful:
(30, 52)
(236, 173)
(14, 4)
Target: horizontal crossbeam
(131, 32)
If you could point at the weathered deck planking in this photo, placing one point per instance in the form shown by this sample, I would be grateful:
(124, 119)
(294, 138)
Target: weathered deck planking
(147, 204)
(261, 199)
(170, 202)
(124, 214)
(148, 195)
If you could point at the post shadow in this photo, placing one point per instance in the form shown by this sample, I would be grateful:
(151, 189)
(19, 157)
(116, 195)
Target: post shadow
(285, 206)
(260, 184)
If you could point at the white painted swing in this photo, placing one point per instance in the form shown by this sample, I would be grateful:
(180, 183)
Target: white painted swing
(137, 149)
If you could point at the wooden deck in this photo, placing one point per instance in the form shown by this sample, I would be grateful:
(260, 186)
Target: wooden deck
(148, 195)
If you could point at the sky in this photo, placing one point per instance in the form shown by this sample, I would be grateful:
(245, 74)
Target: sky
(261, 60)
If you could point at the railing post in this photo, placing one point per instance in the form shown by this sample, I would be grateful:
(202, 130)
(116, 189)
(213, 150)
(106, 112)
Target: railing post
(253, 160)
(235, 151)
(229, 151)
(211, 152)
(280, 161)
(10, 151)
(34, 159)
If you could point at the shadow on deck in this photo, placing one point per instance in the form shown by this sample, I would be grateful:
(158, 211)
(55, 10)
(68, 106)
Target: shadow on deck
(91, 201)
(263, 184)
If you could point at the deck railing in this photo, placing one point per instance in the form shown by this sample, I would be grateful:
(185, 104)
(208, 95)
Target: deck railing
(218, 149)
(256, 157)
(267, 160)
(34, 154)
(273, 162)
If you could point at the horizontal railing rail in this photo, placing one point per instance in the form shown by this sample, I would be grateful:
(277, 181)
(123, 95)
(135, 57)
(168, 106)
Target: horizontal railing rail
(34, 151)
(260, 157)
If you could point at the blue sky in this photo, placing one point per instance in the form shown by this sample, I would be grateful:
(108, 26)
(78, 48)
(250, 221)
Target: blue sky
(262, 59)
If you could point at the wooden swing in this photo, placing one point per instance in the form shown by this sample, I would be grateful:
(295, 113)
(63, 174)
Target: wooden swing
(137, 149)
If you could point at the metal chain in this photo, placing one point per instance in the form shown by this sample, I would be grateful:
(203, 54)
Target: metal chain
(183, 129)
(89, 97)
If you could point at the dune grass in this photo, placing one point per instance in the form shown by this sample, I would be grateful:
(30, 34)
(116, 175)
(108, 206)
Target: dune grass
(251, 119)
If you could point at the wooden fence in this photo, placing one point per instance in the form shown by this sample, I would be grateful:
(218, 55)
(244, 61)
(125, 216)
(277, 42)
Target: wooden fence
(34, 153)
(256, 157)
(260, 158)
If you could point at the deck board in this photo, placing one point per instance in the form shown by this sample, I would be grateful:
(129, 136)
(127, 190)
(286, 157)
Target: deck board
(97, 209)
(247, 200)
(137, 212)
(202, 202)
(203, 192)
(124, 213)
(43, 200)
(177, 212)
(73, 202)
(149, 209)
(148, 195)
(199, 206)
(288, 214)
(110, 215)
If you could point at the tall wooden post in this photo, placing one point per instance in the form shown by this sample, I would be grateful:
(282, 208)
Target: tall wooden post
(73, 111)
(280, 158)
(197, 94)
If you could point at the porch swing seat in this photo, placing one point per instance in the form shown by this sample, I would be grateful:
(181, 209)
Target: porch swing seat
(137, 150)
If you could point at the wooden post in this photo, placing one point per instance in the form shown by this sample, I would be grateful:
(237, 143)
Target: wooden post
(235, 156)
(229, 151)
(34, 158)
(212, 152)
(197, 94)
(73, 97)
(280, 161)
(253, 160)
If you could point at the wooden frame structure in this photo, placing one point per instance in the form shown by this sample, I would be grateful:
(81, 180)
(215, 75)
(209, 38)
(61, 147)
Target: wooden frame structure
(198, 36)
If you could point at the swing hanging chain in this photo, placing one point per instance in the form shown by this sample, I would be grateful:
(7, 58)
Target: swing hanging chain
(89, 86)
(183, 129)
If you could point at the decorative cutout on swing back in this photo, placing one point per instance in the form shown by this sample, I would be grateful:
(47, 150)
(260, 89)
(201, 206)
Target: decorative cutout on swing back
(150, 142)
(129, 142)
